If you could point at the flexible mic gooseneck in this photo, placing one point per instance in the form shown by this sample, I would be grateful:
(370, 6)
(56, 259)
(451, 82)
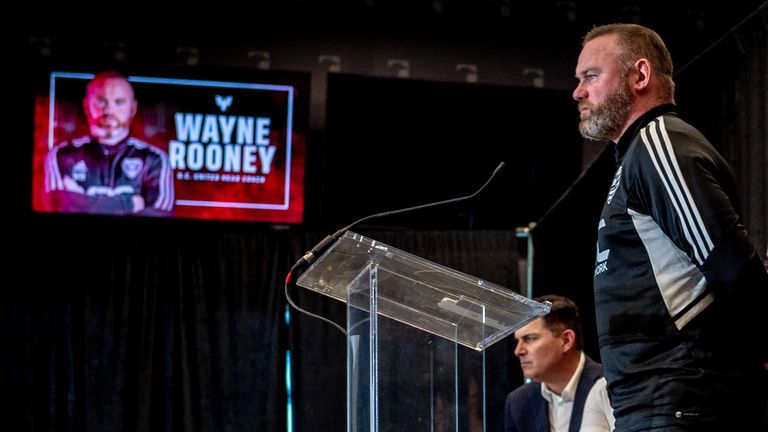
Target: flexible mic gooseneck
(319, 248)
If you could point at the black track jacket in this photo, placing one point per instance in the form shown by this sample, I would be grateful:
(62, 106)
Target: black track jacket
(675, 275)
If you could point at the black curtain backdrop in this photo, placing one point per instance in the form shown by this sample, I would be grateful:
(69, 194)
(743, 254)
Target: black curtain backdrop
(128, 325)
(120, 328)
(724, 93)
(564, 242)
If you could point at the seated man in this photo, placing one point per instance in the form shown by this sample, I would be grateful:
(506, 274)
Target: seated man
(550, 353)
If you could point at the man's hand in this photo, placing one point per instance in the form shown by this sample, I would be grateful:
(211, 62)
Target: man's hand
(71, 185)
(138, 203)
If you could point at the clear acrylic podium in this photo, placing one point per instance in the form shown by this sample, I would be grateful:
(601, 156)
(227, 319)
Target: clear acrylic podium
(408, 323)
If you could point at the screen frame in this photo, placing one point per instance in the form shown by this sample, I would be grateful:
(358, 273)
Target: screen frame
(295, 85)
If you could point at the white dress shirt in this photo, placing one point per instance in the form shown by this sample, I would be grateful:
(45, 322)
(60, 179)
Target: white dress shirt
(560, 406)
(598, 414)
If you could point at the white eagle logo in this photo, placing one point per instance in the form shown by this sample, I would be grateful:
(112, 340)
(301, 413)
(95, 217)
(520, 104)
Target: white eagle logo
(223, 102)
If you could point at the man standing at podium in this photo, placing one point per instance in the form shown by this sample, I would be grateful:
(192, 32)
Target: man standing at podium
(550, 349)
(679, 287)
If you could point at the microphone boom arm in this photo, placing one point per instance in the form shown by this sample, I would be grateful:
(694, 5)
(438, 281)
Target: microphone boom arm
(313, 253)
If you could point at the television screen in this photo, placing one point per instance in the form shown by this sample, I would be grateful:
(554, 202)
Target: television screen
(171, 146)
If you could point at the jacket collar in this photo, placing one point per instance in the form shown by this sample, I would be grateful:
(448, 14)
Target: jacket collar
(629, 135)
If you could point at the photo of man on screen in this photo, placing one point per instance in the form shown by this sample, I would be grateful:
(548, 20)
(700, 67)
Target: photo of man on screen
(108, 171)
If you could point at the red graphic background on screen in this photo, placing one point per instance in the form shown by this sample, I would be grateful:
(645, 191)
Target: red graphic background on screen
(235, 149)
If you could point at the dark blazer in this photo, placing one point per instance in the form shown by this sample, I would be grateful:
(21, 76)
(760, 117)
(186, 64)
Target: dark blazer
(526, 409)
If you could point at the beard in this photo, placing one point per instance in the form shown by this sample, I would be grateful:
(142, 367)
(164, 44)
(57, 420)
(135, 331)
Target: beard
(109, 130)
(109, 135)
(606, 120)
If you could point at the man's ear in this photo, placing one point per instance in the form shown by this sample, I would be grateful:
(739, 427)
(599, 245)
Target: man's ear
(568, 337)
(643, 73)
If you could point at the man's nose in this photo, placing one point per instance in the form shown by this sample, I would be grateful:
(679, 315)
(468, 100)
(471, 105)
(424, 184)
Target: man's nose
(579, 93)
(519, 349)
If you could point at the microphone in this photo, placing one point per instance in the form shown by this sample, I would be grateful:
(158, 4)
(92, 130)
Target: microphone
(319, 248)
